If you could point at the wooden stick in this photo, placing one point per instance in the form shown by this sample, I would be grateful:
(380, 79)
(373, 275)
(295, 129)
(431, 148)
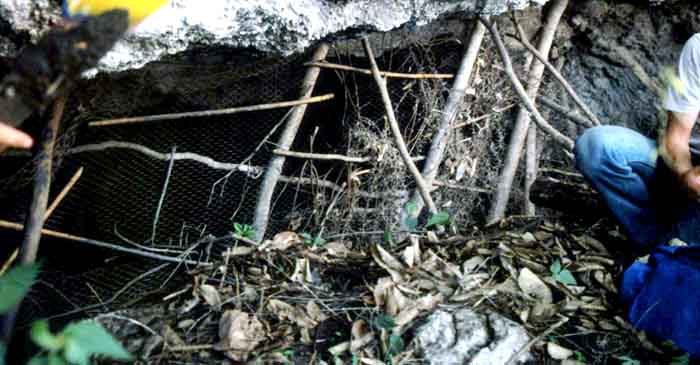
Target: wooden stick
(63, 193)
(505, 182)
(568, 113)
(274, 168)
(395, 75)
(449, 112)
(557, 75)
(322, 157)
(49, 211)
(37, 209)
(18, 227)
(480, 118)
(396, 130)
(212, 113)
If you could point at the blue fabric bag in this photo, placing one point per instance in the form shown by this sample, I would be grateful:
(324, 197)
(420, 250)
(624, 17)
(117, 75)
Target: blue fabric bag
(663, 296)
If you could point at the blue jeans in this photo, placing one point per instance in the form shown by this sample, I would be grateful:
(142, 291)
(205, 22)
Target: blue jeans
(640, 190)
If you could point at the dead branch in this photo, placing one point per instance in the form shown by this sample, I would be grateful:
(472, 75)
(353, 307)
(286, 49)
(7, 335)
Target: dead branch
(565, 112)
(395, 75)
(40, 198)
(482, 117)
(212, 113)
(396, 130)
(47, 232)
(64, 192)
(321, 157)
(518, 137)
(449, 113)
(274, 168)
(557, 75)
(252, 170)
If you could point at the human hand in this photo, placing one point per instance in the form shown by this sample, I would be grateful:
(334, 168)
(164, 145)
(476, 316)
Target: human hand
(12, 137)
(691, 182)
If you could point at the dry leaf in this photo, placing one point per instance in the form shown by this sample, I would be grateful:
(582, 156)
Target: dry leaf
(337, 249)
(381, 291)
(281, 242)
(412, 254)
(210, 295)
(302, 272)
(533, 286)
(289, 312)
(360, 337)
(395, 301)
(369, 361)
(314, 312)
(239, 251)
(240, 334)
(388, 263)
(557, 352)
(171, 337)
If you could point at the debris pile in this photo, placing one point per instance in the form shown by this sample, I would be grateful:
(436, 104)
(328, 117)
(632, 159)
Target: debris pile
(520, 292)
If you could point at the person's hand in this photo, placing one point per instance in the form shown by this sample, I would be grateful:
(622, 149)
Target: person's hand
(12, 137)
(691, 182)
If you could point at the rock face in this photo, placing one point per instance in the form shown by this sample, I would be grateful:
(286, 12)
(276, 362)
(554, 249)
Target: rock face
(277, 26)
(468, 337)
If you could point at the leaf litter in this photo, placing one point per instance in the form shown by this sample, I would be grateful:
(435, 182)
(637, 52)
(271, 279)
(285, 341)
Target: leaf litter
(360, 303)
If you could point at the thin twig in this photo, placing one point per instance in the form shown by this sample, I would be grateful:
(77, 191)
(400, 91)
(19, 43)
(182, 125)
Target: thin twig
(321, 157)
(69, 237)
(163, 194)
(568, 113)
(212, 113)
(557, 75)
(64, 192)
(274, 168)
(396, 130)
(527, 102)
(480, 118)
(535, 340)
(396, 75)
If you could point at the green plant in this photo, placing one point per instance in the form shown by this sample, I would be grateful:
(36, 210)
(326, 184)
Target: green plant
(79, 343)
(411, 220)
(562, 275)
(626, 360)
(580, 357)
(383, 322)
(681, 360)
(310, 240)
(244, 230)
(438, 219)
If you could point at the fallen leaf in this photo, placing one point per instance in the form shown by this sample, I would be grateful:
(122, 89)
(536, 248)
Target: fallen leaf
(281, 242)
(337, 249)
(302, 272)
(412, 254)
(557, 352)
(240, 334)
(289, 312)
(360, 337)
(314, 312)
(239, 251)
(533, 286)
(210, 295)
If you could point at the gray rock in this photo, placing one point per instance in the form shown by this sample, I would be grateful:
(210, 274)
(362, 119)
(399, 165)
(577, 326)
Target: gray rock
(275, 26)
(468, 337)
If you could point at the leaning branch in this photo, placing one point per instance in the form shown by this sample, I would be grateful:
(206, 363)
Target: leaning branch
(394, 75)
(211, 113)
(527, 102)
(568, 113)
(286, 139)
(557, 75)
(396, 130)
(449, 113)
(321, 157)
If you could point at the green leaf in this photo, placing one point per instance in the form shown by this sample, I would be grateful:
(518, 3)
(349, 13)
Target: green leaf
(555, 269)
(87, 339)
(626, 360)
(681, 360)
(42, 337)
(355, 359)
(56, 359)
(39, 360)
(396, 345)
(438, 219)
(15, 284)
(384, 322)
(388, 238)
(411, 223)
(3, 353)
(580, 357)
(565, 277)
(411, 208)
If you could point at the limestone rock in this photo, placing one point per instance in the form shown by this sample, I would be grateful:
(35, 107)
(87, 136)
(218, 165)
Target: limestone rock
(468, 337)
(275, 26)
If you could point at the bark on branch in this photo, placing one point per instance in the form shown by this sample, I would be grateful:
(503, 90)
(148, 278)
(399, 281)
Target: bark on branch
(396, 130)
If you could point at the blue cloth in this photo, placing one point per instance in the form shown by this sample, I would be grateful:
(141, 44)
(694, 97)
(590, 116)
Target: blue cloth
(663, 296)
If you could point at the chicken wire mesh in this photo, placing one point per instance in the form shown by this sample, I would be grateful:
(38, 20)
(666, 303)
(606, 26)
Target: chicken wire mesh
(119, 194)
